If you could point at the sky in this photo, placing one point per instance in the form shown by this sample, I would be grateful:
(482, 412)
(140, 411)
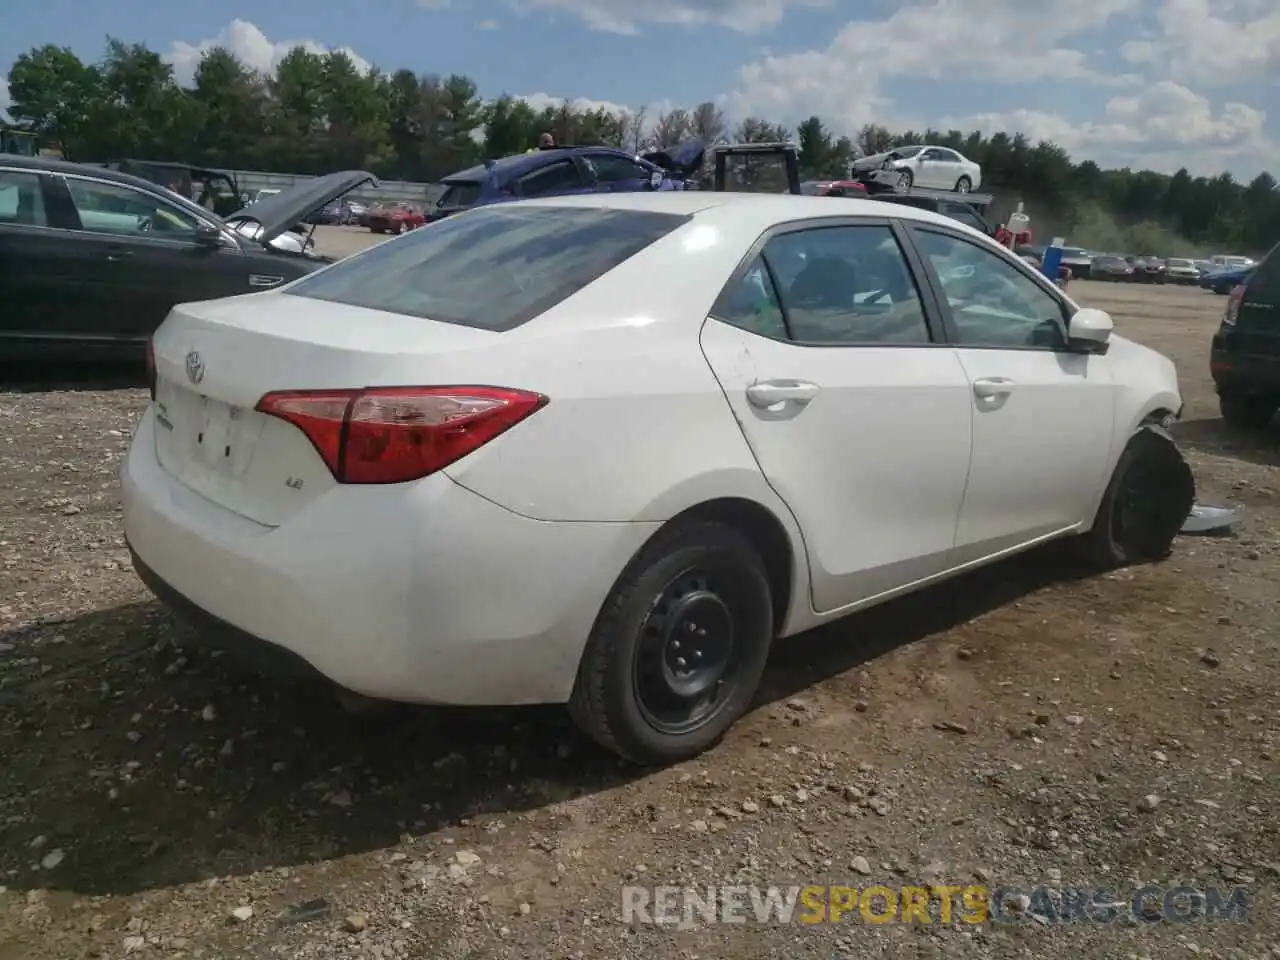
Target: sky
(1155, 84)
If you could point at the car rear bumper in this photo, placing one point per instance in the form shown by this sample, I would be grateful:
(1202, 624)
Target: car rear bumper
(420, 592)
(1244, 372)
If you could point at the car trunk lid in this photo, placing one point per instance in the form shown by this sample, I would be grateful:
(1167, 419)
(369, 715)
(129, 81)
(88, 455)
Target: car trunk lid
(215, 360)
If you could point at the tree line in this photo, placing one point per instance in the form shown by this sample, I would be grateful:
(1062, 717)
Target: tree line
(316, 113)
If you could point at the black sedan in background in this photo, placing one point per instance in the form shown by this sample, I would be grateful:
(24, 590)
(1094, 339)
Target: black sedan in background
(92, 260)
(1110, 268)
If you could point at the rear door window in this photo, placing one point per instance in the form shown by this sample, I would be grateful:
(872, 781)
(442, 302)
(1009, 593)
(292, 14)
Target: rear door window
(1260, 305)
(609, 168)
(559, 177)
(459, 194)
(1265, 278)
(21, 199)
(492, 268)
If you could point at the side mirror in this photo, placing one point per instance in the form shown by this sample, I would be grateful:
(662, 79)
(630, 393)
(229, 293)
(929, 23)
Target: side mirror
(208, 236)
(1090, 330)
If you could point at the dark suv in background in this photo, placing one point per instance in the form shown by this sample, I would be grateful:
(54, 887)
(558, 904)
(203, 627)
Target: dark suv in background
(1245, 356)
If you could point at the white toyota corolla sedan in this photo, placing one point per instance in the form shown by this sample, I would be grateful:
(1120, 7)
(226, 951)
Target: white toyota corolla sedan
(606, 450)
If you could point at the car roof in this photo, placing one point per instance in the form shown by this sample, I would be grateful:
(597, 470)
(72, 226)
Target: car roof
(747, 211)
(518, 163)
(50, 165)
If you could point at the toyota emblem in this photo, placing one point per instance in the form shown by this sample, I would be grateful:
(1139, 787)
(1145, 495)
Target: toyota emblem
(195, 366)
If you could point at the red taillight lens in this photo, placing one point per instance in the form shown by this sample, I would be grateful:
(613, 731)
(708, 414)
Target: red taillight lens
(1233, 305)
(396, 434)
(151, 366)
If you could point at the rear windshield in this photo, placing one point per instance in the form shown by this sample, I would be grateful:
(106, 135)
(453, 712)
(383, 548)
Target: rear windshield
(493, 268)
(1266, 275)
(459, 194)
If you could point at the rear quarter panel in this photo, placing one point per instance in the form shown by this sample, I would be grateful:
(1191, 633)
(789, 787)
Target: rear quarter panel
(637, 427)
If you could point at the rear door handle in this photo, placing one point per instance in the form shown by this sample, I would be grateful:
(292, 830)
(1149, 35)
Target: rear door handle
(118, 253)
(989, 387)
(772, 392)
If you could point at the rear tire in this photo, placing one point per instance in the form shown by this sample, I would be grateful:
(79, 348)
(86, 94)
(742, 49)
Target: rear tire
(1148, 499)
(963, 185)
(677, 651)
(399, 228)
(1249, 411)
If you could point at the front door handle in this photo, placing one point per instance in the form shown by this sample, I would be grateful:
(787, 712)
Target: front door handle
(989, 387)
(118, 253)
(772, 392)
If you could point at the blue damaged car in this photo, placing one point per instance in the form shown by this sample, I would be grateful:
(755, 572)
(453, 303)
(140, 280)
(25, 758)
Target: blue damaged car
(566, 171)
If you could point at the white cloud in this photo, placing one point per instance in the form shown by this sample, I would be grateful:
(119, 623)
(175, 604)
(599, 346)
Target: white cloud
(627, 16)
(540, 101)
(998, 41)
(1219, 43)
(1139, 51)
(489, 24)
(1164, 127)
(251, 46)
(850, 82)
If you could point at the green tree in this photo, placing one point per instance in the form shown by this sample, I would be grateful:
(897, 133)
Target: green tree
(232, 102)
(815, 147)
(357, 116)
(317, 112)
(297, 129)
(55, 96)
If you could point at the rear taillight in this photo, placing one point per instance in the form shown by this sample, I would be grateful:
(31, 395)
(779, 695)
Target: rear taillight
(1233, 305)
(396, 434)
(151, 366)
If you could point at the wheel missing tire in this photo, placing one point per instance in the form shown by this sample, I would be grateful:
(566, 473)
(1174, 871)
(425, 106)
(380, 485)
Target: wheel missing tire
(1146, 503)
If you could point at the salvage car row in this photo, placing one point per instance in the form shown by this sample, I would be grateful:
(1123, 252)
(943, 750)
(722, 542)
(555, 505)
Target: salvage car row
(389, 447)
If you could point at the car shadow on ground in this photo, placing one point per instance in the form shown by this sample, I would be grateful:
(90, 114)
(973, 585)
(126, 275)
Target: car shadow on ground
(1213, 435)
(83, 375)
(147, 765)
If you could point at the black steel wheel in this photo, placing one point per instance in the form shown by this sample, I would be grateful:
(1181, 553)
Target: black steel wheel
(678, 649)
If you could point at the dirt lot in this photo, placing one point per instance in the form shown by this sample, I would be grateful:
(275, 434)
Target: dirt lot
(1021, 726)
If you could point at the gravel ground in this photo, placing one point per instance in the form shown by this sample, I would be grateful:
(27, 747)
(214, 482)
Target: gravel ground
(1021, 726)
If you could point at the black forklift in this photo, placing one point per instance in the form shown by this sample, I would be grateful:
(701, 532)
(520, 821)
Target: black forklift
(971, 209)
(732, 167)
(755, 168)
(21, 143)
(215, 190)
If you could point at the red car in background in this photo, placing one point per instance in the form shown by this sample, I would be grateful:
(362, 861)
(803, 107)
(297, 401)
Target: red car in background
(833, 188)
(395, 218)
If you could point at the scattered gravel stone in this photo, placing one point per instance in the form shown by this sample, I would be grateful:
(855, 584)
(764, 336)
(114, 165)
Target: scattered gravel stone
(355, 922)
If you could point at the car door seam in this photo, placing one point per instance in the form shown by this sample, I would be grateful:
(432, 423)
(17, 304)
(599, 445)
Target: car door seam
(742, 432)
